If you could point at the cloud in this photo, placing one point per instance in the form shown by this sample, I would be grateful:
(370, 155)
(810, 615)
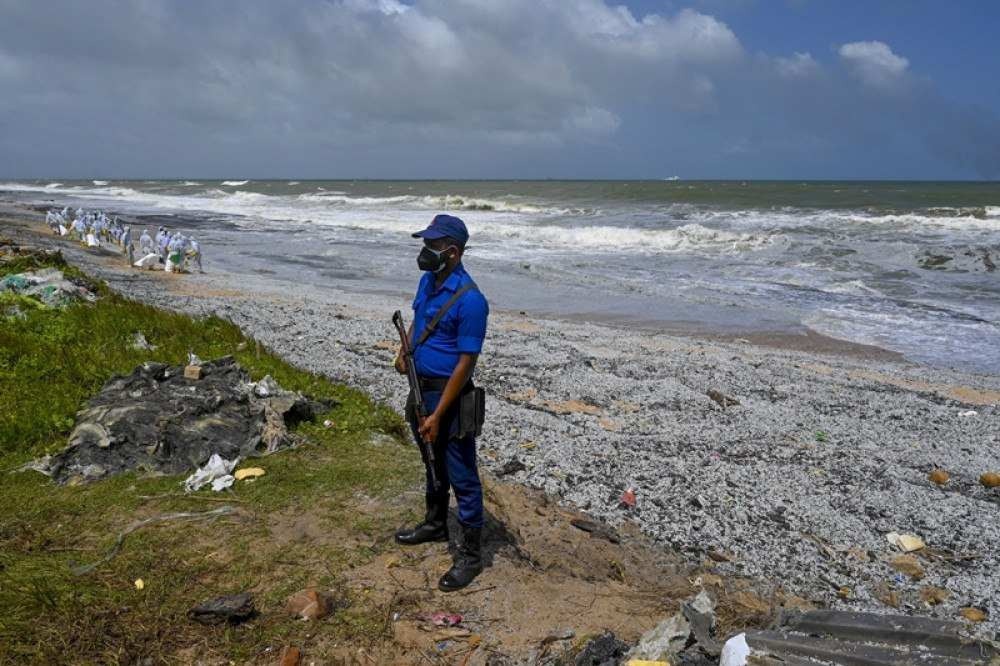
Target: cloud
(435, 88)
(874, 63)
(798, 66)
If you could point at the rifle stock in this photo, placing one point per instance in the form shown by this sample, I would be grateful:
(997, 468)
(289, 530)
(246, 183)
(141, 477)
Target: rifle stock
(420, 407)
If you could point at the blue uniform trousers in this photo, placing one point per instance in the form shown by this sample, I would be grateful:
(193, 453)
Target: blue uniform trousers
(454, 465)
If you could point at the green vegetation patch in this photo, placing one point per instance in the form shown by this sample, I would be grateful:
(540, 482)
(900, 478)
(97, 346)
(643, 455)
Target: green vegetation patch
(51, 362)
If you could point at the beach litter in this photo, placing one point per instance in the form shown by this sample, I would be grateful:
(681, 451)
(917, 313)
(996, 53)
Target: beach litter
(628, 498)
(290, 656)
(217, 472)
(990, 480)
(156, 420)
(231, 609)
(249, 473)
(48, 286)
(905, 542)
(938, 476)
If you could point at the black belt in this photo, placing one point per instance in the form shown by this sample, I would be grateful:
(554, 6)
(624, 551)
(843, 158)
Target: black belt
(433, 383)
(437, 384)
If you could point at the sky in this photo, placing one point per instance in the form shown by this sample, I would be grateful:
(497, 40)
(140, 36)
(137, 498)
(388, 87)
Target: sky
(729, 89)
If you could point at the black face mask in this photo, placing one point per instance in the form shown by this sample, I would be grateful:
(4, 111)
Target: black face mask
(431, 260)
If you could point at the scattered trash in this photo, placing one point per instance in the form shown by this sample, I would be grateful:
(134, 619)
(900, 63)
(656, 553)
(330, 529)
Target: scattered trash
(596, 530)
(646, 662)
(905, 542)
(908, 564)
(192, 372)
(973, 614)
(628, 498)
(48, 286)
(939, 477)
(193, 359)
(217, 471)
(601, 650)
(234, 608)
(990, 479)
(969, 413)
(290, 656)
(139, 584)
(150, 261)
(157, 421)
(722, 399)
(735, 652)
(442, 619)
(250, 473)
(309, 604)
(327, 423)
(933, 596)
(140, 343)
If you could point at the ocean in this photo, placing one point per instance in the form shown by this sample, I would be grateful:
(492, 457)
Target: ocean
(911, 267)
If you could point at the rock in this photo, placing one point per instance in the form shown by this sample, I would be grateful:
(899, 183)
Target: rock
(908, 565)
(604, 650)
(990, 479)
(290, 656)
(939, 477)
(665, 641)
(309, 604)
(155, 419)
(933, 596)
(192, 372)
(700, 613)
(596, 530)
(722, 399)
(233, 609)
(973, 614)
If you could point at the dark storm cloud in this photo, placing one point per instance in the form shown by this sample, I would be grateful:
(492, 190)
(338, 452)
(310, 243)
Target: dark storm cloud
(445, 88)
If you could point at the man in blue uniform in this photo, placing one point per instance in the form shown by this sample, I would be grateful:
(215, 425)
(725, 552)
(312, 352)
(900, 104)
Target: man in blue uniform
(449, 325)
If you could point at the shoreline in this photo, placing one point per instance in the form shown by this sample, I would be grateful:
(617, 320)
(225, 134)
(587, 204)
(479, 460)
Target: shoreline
(588, 409)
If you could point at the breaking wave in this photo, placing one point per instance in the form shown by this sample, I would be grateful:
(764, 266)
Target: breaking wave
(235, 183)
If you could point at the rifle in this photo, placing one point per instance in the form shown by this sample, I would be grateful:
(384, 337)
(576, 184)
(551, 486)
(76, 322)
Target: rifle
(420, 407)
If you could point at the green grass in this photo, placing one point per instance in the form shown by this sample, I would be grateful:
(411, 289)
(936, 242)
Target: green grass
(51, 361)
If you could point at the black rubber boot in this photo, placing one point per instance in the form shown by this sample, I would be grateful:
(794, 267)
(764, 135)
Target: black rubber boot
(468, 562)
(434, 527)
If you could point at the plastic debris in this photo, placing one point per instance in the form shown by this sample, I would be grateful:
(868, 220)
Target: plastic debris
(905, 542)
(217, 471)
(628, 498)
(646, 662)
(973, 614)
(140, 342)
(233, 609)
(193, 359)
(735, 652)
(149, 261)
(249, 473)
(327, 423)
(193, 372)
(939, 477)
(139, 584)
(990, 479)
(441, 619)
(908, 564)
(969, 413)
(48, 286)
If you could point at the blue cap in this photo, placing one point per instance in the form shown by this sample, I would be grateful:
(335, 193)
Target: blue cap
(445, 226)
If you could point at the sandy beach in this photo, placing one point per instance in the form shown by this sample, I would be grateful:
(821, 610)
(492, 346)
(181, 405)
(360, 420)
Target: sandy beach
(826, 453)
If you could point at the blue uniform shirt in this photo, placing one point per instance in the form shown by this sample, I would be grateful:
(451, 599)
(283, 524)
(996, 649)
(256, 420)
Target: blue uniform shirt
(461, 331)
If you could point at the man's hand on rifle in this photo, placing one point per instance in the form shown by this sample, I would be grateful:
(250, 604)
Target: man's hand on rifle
(429, 429)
